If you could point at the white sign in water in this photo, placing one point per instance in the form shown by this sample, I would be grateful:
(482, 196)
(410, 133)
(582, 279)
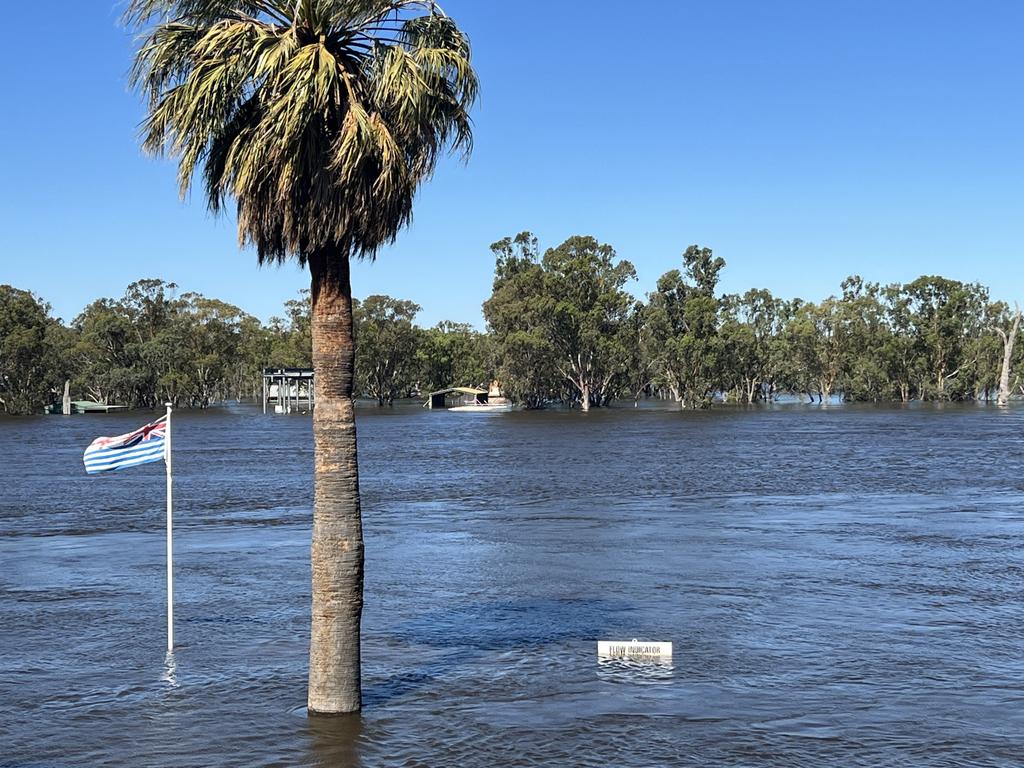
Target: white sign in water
(634, 649)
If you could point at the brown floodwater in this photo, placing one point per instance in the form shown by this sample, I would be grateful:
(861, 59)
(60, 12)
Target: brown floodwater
(843, 587)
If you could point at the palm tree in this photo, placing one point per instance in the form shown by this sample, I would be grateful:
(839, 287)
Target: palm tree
(319, 119)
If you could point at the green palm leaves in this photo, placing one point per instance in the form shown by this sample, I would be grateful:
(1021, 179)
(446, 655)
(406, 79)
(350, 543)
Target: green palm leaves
(319, 118)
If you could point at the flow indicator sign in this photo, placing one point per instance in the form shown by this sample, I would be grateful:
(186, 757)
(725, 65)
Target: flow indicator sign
(634, 649)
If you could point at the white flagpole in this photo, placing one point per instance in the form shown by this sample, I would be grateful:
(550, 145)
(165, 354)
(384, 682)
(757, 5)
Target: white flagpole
(170, 547)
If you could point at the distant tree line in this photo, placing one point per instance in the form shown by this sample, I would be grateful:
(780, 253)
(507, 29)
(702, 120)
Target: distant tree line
(566, 329)
(153, 346)
(562, 328)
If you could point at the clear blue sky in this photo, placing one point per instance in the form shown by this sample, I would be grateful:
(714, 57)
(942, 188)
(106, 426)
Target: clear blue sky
(802, 141)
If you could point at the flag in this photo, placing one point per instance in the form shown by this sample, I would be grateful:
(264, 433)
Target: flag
(142, 446)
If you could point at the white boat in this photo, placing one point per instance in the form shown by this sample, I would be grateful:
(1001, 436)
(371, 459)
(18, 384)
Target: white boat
(482, 408)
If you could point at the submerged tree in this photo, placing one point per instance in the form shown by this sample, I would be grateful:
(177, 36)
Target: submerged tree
(33, 352)
(453, 354)
(817, 339)
(319, 119)
(1008, 337)
(587, 307)
(899, 356)
(945, 315)
(751, 329)
(386, 339)
(560, 319)
(636, 341)
(866, 333)
(211, 340)
(130, 349)
(684, 322)
(151, 347)
(516, 315)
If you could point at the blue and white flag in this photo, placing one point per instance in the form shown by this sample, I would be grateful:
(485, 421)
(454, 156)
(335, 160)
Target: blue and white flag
(142, 446)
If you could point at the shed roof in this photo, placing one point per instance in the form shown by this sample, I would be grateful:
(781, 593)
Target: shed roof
(460, 390)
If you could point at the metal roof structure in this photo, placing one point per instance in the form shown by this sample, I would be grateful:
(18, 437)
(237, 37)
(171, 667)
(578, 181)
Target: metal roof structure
(460, 390)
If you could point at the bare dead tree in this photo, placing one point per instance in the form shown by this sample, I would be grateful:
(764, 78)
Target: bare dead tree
(1008, 341)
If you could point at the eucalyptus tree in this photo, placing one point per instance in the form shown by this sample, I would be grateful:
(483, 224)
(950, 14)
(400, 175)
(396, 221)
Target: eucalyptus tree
(557, 318)
(946, 315)
(105, 362)
(1008, 336)
(453, 354)
(386, 340)
(684, 312)
(867, 334)
(129, 350)
(818, 338)
(1015, 375)
(637, 341)
(211, 339)
(751, 323)
(319, 119)
(252, 356)
(587, 308)
(32, 352)
(516, 315)
(900, 355)
(292, 335)
(741, 363)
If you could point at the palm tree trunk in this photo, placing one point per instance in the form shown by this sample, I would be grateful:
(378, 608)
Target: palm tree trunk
(337, 552)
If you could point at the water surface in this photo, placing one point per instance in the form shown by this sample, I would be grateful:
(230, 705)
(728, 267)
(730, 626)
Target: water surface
(843, 587)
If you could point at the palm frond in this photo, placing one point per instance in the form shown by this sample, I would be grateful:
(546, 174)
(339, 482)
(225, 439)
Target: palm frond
(319, 118)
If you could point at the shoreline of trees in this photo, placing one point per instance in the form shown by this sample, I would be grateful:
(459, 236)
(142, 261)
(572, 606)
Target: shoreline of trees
(565, 328)
(561, 328)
